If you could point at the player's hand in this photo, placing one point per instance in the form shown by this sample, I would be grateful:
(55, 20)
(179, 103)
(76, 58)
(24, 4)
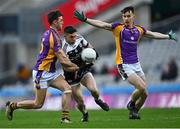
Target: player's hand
(86, 66)
(172, 36)
(97, 54)
(80, 16)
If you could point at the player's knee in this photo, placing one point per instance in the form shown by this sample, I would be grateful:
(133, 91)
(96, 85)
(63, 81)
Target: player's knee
(142, 89)
(145, 94)
(67, 90)
(38, 105)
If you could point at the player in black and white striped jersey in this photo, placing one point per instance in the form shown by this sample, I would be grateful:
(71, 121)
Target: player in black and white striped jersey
(73, 44)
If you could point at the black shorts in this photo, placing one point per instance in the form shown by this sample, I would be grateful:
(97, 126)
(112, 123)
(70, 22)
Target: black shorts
(70, 77)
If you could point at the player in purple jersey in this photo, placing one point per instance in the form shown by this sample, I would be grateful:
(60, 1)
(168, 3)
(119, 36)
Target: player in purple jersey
(127, 35)
(45, 73)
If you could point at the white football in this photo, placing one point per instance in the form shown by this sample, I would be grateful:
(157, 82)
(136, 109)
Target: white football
(88, 55)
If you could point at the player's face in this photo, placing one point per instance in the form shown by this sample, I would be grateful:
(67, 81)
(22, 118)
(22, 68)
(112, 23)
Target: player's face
(128, 18)
(70, 38)
(59, 23)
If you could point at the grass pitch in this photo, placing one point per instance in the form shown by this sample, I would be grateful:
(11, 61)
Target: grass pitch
(150, 118)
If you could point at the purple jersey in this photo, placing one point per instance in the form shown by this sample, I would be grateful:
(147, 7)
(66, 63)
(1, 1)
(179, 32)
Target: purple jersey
(126, 42)
(50, 44)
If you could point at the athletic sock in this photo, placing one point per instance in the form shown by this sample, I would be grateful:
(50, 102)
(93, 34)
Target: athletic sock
(65, 114)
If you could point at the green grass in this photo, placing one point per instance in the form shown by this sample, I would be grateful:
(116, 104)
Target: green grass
(151, 118)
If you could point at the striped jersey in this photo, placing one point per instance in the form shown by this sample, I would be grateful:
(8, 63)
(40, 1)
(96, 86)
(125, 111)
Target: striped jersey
(50, 43)
(74, 50)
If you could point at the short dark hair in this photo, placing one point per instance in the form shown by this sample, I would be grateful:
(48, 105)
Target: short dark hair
(127, 9)
(69, 29)
(53, 15)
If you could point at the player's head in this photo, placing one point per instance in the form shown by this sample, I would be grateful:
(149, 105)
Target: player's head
(128, 16)
(70, 34)
(55, 19)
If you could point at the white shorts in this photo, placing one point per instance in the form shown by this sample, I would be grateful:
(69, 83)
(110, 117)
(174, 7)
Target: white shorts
(42, 79)
(125, 70)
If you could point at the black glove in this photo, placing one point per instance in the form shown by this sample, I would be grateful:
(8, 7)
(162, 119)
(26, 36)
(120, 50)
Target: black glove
(97, 55)
(172, 36)
(80, 16)
(85, 66)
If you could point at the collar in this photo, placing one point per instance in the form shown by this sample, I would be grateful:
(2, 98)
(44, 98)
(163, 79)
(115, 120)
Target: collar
(53, 29)
(72, 45)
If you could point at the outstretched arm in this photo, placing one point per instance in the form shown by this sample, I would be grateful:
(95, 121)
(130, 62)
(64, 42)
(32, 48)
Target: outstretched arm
(96, 23)
(157, 35)
(99, 24)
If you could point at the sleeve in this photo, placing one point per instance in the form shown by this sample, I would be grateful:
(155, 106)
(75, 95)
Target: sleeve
(57, 43)
(45, 41)
(141, 29)
(84, 42)
(114, 25)
(144, 30)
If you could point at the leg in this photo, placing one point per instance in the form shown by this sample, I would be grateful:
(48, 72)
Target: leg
(89, 82)
(34, 104)
(140, 87)
(27, 104)
(142, 99)
(77, 94)
(62, 85)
